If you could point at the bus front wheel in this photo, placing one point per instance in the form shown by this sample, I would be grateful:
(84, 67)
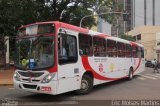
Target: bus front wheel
(86, 85)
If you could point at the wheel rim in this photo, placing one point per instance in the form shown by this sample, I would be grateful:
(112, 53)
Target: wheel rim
(84, 85)
(131, 74)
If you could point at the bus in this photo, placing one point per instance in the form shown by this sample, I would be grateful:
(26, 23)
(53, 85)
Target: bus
(55, 57)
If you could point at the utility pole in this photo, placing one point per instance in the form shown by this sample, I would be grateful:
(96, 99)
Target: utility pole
(80, 24)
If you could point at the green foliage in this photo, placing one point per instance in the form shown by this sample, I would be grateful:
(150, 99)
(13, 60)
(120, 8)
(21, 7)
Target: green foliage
(127, 37)
(15, 13)
(110, 6)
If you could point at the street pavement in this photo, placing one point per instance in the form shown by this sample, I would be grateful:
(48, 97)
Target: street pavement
(142, 87)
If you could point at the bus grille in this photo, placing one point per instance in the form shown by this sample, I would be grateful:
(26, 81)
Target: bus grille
(27, 74)
(33, 80)
(29, 86)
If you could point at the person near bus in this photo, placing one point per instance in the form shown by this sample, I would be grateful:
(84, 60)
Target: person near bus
(155, 62)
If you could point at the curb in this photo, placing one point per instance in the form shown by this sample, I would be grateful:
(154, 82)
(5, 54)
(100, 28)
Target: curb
(6, 85)
(7, 82)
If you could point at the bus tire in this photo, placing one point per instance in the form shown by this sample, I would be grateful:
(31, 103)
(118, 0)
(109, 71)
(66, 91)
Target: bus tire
(130, 75)
(86, 85)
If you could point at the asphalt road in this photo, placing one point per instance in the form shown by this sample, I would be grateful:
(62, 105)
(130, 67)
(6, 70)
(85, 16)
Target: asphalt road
(142, 87)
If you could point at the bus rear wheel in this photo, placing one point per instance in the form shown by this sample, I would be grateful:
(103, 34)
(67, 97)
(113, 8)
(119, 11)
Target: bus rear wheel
(130, 75)
(86, 85)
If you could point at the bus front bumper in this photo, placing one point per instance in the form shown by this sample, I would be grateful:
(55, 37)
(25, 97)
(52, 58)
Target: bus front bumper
(45, 88)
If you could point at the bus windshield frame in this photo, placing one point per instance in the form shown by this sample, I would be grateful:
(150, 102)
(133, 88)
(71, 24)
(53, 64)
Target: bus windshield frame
(35, 50)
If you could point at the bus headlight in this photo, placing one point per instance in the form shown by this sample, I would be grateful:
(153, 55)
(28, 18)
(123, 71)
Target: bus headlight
(16, 76)
(48, 78)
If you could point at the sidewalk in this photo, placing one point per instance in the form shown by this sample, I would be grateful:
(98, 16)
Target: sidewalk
(6, 77)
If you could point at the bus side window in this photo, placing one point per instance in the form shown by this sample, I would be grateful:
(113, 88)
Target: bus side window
(128, 50)
(85, 45)
(142, 52)
(134, 51)
(121, 49)
(99, 47)
(139, 53)
(111, 48)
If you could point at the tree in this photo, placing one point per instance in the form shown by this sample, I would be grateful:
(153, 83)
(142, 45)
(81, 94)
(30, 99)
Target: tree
(106, 6)
(71, 11)
(14, 13)
(127, 37)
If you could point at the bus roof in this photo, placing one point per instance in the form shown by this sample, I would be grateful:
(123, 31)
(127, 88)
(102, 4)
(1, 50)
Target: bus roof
(60, 24)
(84, 30)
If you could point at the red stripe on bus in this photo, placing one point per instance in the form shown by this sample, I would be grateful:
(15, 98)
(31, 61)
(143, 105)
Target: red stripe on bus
(87, 67)
(55, 68)
(133, 44)
(102, 35)
(138, 65)
(72, 27)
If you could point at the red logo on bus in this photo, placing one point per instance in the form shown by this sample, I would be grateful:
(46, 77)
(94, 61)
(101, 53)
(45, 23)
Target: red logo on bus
(100, 67)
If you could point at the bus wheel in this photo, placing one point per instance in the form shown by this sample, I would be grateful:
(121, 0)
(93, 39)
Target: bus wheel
(86, 85)
(130, 75)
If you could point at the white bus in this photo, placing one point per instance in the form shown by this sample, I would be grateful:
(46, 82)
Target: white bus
(55, 57)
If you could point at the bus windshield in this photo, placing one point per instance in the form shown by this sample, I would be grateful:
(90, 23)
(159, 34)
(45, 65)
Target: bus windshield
(35, 52)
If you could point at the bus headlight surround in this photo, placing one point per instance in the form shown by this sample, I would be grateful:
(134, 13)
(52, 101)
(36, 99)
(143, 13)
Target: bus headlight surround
(48, 78)
(16, 76)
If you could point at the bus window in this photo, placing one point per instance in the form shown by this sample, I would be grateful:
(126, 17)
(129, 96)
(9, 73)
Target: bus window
(121, 49)
(128, 50)
(139, 52)
(67, 49)
(134, 51)
(85, 45)
(99, 45)
(111, 48)
(142, 52)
